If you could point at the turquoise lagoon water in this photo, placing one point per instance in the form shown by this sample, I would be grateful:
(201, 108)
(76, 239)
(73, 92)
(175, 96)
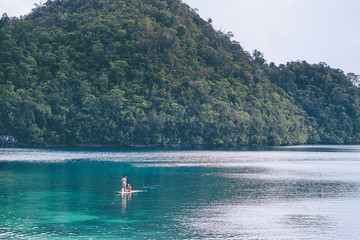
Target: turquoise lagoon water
(304, 192)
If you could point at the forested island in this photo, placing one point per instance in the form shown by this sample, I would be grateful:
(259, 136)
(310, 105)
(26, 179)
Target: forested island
(152, 72)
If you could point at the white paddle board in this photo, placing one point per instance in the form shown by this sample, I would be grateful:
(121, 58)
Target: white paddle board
(132, 191)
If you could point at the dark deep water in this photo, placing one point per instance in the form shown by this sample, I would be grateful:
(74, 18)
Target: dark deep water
(301, 192)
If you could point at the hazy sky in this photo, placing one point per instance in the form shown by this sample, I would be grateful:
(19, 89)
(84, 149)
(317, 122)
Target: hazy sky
(284, 30)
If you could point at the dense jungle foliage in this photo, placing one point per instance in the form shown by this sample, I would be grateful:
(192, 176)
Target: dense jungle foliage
(141, 72)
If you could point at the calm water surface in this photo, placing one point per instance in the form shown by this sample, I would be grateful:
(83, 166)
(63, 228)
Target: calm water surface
(305, 192)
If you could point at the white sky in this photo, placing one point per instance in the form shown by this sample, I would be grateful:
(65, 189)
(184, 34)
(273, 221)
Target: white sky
(284, 30)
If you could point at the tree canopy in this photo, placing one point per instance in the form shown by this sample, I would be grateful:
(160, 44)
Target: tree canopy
(141, 72)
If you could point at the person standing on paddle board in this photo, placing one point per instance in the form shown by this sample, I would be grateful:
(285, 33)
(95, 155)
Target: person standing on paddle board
(124, 183)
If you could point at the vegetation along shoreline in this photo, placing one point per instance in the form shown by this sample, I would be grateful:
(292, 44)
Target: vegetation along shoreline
(154, 73)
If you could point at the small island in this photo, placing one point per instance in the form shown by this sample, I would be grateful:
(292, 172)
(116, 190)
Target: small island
(153, 73)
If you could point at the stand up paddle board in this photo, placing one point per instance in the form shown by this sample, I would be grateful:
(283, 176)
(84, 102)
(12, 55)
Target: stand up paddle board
(132, 191)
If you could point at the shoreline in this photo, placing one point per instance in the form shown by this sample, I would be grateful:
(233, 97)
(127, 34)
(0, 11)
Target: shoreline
(160, 146)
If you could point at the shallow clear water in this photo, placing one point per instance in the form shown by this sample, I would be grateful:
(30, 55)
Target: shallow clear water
(302, 192)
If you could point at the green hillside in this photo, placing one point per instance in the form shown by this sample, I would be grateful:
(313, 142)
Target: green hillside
(143, 72)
